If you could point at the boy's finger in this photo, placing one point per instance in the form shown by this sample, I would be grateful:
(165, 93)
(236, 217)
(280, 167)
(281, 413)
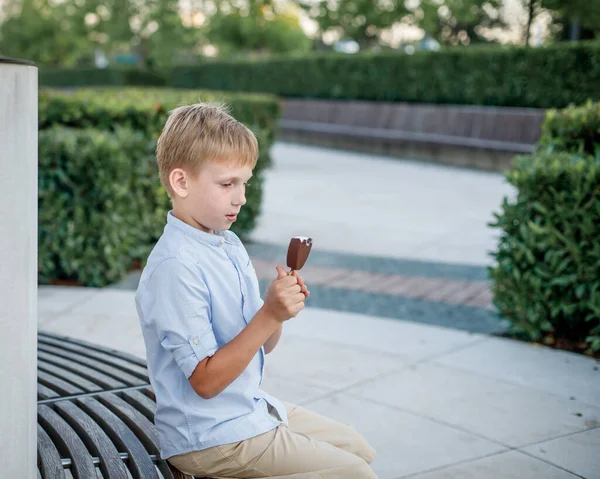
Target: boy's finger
(281, 272)
(299, 298)
(300, 280)
(288, 280)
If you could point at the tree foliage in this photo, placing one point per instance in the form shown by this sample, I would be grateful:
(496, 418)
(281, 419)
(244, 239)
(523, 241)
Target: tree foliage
(256, 27)
(360, 20)
(453, 22)
(69, 32)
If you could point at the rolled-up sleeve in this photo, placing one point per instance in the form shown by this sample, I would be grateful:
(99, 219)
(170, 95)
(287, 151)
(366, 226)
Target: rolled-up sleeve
(181, 313)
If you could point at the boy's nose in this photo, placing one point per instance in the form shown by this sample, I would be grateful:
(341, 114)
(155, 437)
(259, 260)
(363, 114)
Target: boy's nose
(240, 200)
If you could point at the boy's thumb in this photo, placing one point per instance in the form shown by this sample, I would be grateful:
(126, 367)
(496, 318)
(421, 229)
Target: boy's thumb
(281, 273)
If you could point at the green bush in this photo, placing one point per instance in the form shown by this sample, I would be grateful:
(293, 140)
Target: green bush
(146, 109)
(576, 128)
(553, 76)
(96, 191)
(81, 77)
(547, 276)
(98, 176)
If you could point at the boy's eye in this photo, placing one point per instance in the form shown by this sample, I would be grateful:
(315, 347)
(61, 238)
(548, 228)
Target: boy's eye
(226, 184)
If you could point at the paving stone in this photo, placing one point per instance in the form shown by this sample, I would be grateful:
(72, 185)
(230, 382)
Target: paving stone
(483, 299)
(578, 453)
(497, 410)
(557, 372)
(405, 443)
(471, 290)
(506, 465)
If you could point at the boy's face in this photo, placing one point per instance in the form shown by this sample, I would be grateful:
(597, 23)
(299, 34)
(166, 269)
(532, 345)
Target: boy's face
(212, 199)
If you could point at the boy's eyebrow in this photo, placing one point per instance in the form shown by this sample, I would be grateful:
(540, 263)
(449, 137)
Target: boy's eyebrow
(234, 178)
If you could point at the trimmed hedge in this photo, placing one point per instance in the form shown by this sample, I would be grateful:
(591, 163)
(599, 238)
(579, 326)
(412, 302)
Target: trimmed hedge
(554, 76)
(550, 77)
(547, 277)
(96, 193)
(101, 206)
(576, 128)
(146, 110)
(80, 77)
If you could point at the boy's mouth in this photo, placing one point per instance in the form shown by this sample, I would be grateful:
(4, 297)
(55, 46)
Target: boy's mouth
(231, 217)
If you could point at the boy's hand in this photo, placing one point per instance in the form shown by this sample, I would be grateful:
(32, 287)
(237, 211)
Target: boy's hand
(285, 296)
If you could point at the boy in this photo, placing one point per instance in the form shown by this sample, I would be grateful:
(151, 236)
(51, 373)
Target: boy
(207, 330)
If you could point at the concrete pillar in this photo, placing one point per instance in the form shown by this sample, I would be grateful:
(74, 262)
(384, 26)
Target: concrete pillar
(18, 268)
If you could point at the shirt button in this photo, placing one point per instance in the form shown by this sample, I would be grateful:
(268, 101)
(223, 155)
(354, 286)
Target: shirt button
(195, 341)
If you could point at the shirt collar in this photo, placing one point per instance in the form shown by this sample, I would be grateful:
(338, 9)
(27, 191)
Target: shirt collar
(217, 238)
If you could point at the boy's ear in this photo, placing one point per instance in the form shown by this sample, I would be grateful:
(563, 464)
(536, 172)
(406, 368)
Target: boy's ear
(178, 181)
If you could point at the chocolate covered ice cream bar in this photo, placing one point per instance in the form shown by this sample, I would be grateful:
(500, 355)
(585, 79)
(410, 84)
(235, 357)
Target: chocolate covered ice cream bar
(298, 252)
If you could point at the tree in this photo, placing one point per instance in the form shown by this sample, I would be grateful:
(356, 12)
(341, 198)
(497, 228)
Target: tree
(45, 33)
(257, 27)
(452, 22)
(69, 32)
(160, 35)
(532, 8)
(577, 18)
(360, 20)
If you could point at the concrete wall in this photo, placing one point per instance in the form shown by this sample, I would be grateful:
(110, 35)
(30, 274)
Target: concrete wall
(18, 270)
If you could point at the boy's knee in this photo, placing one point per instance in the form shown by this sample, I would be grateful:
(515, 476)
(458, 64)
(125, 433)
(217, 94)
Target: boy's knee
(364, 471)
(361, 447)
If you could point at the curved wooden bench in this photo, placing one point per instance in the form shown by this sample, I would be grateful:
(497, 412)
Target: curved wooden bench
(95, 414)
(472, 136)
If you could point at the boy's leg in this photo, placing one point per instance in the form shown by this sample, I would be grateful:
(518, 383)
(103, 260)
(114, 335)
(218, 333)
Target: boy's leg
(322, 428)
(278, 454)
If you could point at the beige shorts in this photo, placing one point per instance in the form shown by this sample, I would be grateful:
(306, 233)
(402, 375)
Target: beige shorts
(312, 447)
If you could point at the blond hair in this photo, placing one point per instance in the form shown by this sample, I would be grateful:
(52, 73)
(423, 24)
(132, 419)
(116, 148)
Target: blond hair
(194, 134)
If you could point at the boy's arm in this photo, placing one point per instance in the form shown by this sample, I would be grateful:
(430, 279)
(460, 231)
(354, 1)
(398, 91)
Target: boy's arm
(273, 340)
(213, 374)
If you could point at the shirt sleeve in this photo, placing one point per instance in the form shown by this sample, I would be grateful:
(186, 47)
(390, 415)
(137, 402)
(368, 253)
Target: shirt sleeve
(181, 313)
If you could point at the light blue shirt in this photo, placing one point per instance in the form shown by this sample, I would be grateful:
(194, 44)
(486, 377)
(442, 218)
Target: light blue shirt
(197, 292)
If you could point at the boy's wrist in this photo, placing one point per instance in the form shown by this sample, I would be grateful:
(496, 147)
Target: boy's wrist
(266, 317)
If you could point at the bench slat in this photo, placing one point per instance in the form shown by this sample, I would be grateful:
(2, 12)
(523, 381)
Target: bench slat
(141, 402)
(140, 425)
(64, 340)
(105, 368)
(139, 463)
(95, 438)
(49, 464)
(59, 385)
(133, 366)
(44, 392)
(67, 442)
(73, 378)
(135, 420)
(93, 375)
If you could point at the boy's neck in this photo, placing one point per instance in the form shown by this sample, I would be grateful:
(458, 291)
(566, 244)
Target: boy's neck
(182, 215)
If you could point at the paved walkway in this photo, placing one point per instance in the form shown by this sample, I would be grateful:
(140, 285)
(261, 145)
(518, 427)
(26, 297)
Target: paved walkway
(435, 402)
(437, 398)
(374, 206)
